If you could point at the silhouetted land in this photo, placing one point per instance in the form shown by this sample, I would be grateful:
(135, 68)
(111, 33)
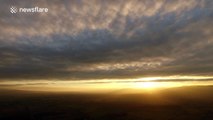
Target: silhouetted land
(186, 103)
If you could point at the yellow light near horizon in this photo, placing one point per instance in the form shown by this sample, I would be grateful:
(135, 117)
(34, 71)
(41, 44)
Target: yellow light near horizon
(97, 85)
(146, 85)
(158, 85)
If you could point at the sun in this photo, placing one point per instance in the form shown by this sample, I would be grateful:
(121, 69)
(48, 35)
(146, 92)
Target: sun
(145, 85)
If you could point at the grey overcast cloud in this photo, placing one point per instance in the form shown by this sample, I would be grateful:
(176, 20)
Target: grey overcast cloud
(106, 39)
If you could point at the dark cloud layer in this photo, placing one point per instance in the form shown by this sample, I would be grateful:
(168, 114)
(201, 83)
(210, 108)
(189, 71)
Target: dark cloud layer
(106, 39)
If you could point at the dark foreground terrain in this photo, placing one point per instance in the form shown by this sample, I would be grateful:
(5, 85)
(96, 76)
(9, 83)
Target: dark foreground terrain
(187, 103)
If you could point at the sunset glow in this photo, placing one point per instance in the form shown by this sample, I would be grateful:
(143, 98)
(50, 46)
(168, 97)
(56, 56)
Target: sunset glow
(147, 83)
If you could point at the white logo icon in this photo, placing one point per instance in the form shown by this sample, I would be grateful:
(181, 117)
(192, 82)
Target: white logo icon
(13, 9)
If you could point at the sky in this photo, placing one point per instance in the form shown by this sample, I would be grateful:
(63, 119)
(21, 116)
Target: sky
(106, 39)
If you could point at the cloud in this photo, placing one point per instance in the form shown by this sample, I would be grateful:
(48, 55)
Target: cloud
(106, 39)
